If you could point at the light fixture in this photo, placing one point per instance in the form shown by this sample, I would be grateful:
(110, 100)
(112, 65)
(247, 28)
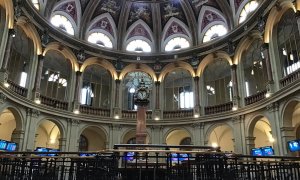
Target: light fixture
(117, 117)
(234, 108)
(37, 101)
(271, 139)
(6, 84)
(177, 47)
(100, 43)
(12, 33)
(131, 90)
(291, 57)
(138, 58)
(268, 94)
(76, 111)
(252, 72)
(196, 115)
(214, 145)
(156, 118)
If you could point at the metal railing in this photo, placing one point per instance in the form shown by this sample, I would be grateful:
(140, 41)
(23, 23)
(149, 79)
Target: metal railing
(146, 164)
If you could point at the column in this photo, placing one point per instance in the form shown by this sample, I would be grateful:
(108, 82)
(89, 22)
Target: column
(287, 134)
(62, 144)
(38, 77)
(141, 133)
(156, 115)
(30, 129)
(250, 143)
(198, 134)
(266, 57)
(196, 97)
(3, 71)
(18, 137)
(72, 135)
(117, 110)
(77, 94)
(235, 92)
(239, 134)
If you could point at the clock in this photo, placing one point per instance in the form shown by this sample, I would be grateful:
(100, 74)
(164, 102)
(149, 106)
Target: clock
(142, 95)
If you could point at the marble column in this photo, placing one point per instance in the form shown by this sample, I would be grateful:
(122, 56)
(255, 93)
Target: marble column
(250, 143)
(11, 35)
(288, 134)
(77, 94)
(235, 92)
(141, 133)
(117, 109)
(18, 137)
(157, 87)
(266, 57)
(38, 77)
(196, 97)
(239, 134)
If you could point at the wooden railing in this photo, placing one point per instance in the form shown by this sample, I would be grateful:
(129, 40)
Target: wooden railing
(17, 89)
(94, 111)
(290, 78)
(133, 114)
(54, 103)
(178, 113)
(218, 108)
(255, 97)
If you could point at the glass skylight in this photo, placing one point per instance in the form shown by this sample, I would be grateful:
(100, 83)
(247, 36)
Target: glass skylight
(214, 32)
(177, 43)
(138, 46)
(100, 39)
(63, 23)
(248, 8)
(36, 4)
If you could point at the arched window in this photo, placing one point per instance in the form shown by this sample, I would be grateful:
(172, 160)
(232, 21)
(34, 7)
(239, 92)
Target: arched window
(217, 81)
(21, 54)
(96, 87)
(248, 8)
(100, 39)
(214, 32)
(36, 4)
(131, 83)
(255, 73)
(56, 76)
(138, 46)
(288, 43)
(63, 23)
(179, 90)
(176, 44)
(83, 143)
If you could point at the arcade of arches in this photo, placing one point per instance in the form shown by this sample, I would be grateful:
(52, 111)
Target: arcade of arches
(238, 91)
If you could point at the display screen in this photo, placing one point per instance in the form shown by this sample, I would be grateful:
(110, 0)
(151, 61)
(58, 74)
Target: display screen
(267, 151)
(41, 149)
(11, 146)
(294, 146)
(87, 155)
(3, 145)
(256, 152)
(179, 157)
(129, 156)
(53, 150)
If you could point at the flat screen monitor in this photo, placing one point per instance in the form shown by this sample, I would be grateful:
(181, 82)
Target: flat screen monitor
(53, 150)
(129, 156)
(3, 145)
(41, 149)
(294, 145)
(87, 155)
(256, 152)
(179, 157)
(267, 151)
(11, 146)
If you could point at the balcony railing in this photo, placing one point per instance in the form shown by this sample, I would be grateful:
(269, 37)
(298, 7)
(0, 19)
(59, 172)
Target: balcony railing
(133, 114)
(54, 103)
(160, 165)
(17, 89)
(218, 108)
(290, 78)
(255, 97)
(178, 114)
(94, 111)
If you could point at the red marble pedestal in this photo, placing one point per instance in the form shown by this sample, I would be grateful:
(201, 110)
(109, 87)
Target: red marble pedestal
(141, 125)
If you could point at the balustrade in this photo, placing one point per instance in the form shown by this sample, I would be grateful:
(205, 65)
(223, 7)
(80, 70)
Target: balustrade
(255, 97)
(290, 78)
(178, 113)
(94, 111)
(133, 114)
(54, 103)
(17, 89)
(218, 108)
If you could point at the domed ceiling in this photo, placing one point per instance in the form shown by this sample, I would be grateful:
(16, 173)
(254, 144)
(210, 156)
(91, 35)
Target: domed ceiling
(146, 25)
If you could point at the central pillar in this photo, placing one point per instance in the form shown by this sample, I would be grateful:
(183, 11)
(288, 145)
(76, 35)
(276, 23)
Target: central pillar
(141, 133)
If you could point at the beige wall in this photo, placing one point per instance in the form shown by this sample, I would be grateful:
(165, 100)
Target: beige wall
(176, 136)
(223, 137)
(7, 125)
(96, 139)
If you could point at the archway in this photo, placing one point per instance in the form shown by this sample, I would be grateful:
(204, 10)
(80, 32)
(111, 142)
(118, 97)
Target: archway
(222, 136)
(129, 137)
(178, 137)
(92, 139)
(48, 134)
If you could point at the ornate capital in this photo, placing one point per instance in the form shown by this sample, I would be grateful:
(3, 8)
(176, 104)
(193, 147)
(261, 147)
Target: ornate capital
(33, 112)
(2, 97)
(273, 107)
(238, 119)
(75, 122)
(197, 125)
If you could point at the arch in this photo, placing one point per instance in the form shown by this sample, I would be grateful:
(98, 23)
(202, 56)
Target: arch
(252, 122)
(89, 132)
(138, 67)
(101, 62)
(66, 52)
(146, 27)
(17, 114)
(31, 32)
(287, 112)
(209, 58)
(220, 135)
(9, 9)
(172, 130)
(176, 65)
(214, 126)
(209, 25)
(275, 16)
(57, 122)
(244, 44)
(73, 23)
(239, 10)
(132, 130)
(112, 23)
(165, 39)
(97, 126)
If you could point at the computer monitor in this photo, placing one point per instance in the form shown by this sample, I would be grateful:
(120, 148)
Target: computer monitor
(41, 149)
(294, 145)
(256, 152)
(87, 155)
(267, 151)
(129, 156)
(179, 157)
(53, 150)
(11, 146)
(3, 145)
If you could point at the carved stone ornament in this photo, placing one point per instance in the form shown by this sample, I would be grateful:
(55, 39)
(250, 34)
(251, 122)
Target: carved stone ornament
(273, 107)
(33, 112)
(2, 97)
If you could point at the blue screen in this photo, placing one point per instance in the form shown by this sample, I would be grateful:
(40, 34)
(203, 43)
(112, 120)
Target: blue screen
(41, 149)
(3, 145)
(11, 146)
(256, 152)
(267, 151)
(294, 146)
(179, 157)
(87, 155)
(53, 150)
(129, 156)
